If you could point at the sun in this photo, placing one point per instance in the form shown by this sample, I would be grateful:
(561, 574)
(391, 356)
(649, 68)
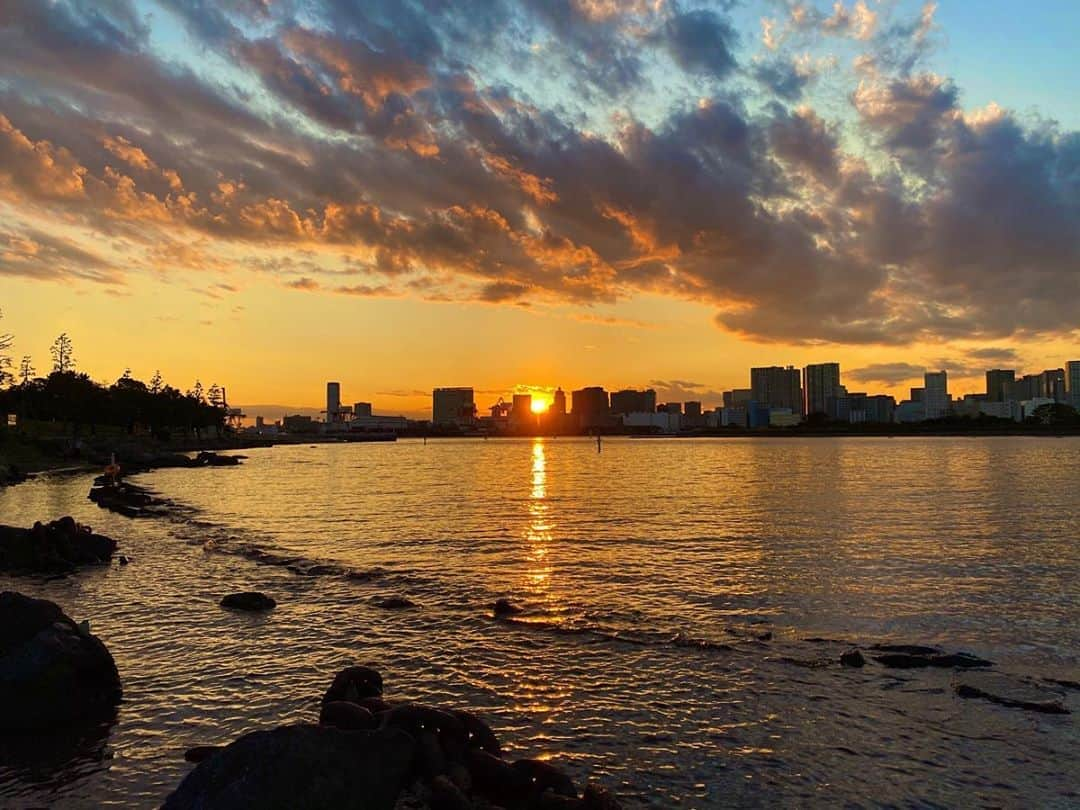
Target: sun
(539, 406)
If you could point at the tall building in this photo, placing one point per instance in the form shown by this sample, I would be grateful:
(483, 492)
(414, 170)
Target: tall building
(820, 381)
(453, 407)
(777, 387)
(936, 394)
(558, 403)
(631, 401)
(670, 407)
(1024, 389)
(361, 409)
(918, 394)
(998, 384)
(521, 412)
(1052, 384)
(1072, 382)
(589, 406)
(333, 401)
(692, 409)
(738, 398)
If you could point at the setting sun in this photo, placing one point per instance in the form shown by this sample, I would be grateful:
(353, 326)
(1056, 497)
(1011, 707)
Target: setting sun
(539, 405)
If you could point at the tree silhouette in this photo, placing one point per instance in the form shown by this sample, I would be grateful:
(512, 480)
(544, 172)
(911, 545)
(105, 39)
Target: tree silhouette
(156, 383)
(63, 354)
(27, 372)
(6, 339)
(196, 393)
(216, 396)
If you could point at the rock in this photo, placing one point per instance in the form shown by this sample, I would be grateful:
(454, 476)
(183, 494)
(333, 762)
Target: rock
(901, 660)
(51, 548)
(301, 767)
(52, 675)
(201, 752)
(374, 705)
(209, 459)
(504, 607)
(248, 600)
(418, 720)
(344, 715)
(907, 649)
(852, 658)
(354, 684)
(1011, 691)
(395, 603)
(127, 499)
(496, 780)
(597, 798)
(543, 776)
(445, 795)
(478, 734)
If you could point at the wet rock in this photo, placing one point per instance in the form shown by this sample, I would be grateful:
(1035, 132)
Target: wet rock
(907, 649)
(248, 600)
(597, 798)
(374, 705)
(354, 684)
(419, 720)
(11, 475)
(200, 753)
(127, 499)
(395, 603)
(52, 674)
(209, 459)
(543, 776)
(1011, 691)
(302, 767)
(344, 715)
(852, 658)
(902, 660)
(445, 795)
(52, 548)
(504, 607)
(496, 780)
(478, 734)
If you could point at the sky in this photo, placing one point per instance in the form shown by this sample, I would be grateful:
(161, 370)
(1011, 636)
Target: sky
(404, 194)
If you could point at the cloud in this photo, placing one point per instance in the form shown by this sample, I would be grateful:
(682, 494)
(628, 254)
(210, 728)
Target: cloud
(469, 151)
(886, 373)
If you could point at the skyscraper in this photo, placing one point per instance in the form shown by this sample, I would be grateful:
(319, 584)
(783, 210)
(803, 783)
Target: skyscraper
(777, 387)
(1052, 384)
(1072, 381)
(453, 407)
(998, 382)
(558, 403)
(631, 401)
(589, 406)
(333, 401)
(820, 381)
(936, 395)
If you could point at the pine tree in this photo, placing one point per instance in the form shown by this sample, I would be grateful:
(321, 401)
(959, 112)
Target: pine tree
(63, 354)
(27, 372)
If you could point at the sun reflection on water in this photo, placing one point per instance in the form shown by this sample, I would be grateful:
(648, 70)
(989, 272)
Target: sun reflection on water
(538, 529)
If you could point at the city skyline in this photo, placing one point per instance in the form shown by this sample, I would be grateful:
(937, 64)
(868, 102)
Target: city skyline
(272, 199)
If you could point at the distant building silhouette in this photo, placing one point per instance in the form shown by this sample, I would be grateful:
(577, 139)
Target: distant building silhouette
(738, 398)
(558, 404)
(936, 397)
(590, 407)
(999, 383)
(629, 400)
(820, 382)
(777, 387)
(1072, 382)
(453, 407)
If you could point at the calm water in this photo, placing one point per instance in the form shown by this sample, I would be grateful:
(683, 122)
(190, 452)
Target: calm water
(648, 572)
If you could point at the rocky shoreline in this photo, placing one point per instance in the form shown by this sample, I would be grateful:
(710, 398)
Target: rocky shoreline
(57, 547)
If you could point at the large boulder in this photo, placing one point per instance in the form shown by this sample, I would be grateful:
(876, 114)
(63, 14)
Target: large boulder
(253, 601)
(299, 767)
(52, 548)
(53, 673)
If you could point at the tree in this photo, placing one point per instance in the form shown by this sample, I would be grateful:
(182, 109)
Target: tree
(27, 372)
(156, 383)
(6, 339)
(216, 396)
(196, 393)
(63, 354)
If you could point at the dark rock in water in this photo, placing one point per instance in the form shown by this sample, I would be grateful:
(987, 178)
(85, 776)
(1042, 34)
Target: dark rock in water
(123, 560)
(504, 607)
(478, 734)
(908, 649)
(301, 768)
(445, 795)
(52, 673)
(543, 776)
(11, 475)
(1045, 706)
(354, 684)
(344, 715)
(496, 780)
(1016, 692)
(201, 752)
(395, 603)
(248, 600)
(900, 660)
(597, 798)
(209, 459)
(373, 704)
(416, 719)
(127, 499)
(52, 548)
(852, 658)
